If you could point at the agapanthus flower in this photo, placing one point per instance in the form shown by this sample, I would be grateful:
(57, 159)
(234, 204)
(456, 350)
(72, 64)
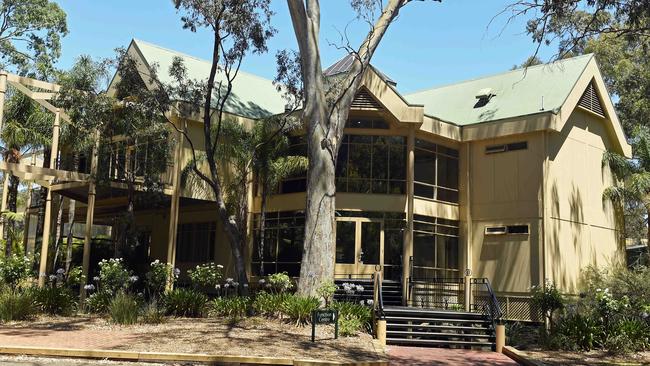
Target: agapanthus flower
(96, 278)
(60, 271)
(52, 277)
(219, 266)
(133, 278)
(89, 287)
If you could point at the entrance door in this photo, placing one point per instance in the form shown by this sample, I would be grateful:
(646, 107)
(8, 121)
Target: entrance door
(359, 246)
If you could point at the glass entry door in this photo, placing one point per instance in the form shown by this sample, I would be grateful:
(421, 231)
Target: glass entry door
(359, 246)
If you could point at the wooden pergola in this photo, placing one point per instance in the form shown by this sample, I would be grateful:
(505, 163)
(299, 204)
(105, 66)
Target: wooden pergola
(58, 179)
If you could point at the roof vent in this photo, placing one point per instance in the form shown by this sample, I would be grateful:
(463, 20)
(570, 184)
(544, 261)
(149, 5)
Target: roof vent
(483, 97)
(485, 93)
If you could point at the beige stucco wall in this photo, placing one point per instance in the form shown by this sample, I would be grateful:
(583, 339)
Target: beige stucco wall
(504, 189)
(581, 228)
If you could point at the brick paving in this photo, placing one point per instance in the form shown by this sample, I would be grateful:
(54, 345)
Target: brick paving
(417, 356)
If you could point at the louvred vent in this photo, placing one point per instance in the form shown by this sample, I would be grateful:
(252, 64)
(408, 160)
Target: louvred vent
(363, 100)
(591, 102)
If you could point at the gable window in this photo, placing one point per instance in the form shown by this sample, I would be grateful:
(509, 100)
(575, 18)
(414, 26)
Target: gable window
(493, 149)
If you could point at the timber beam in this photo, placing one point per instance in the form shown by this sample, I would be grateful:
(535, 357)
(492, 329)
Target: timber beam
(32, 172)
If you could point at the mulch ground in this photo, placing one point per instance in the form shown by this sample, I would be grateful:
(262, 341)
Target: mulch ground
(249, 337)
(595, 358)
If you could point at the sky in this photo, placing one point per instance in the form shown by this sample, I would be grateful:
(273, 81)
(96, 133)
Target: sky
(430, 44)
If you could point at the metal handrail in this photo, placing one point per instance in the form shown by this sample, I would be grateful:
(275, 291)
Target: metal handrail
(378, 297)
(493, 307)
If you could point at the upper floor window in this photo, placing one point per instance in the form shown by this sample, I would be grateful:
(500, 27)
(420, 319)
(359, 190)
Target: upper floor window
(436, 172)
(367, 123)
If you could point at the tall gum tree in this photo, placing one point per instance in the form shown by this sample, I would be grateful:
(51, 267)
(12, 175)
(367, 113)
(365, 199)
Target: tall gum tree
(325, 111)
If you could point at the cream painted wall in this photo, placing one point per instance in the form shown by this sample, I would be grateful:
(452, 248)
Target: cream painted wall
(505, 189)
(581, 230)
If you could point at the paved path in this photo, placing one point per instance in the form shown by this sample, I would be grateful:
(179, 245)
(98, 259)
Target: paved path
(416, 356)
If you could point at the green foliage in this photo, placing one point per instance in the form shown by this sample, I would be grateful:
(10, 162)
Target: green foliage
(185, 303)
(326, 291)
(54, 300)
(113, 276)
(349, 327)
(235, 307)
(298, 309)
(15, 269)
(124, 309)
(548, 299)
(612, 313)
(16, 305)
(31, 34)
(355, 315)
(152, 313)
(280, 282)
(99, 302)
(205, 276)
(268, 304)
(156, 278)
(74, 277)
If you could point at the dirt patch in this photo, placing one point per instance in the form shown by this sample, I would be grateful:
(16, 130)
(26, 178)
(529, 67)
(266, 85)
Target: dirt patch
(587, 358)
(249, 337)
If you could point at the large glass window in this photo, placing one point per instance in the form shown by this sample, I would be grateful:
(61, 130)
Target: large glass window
(283, 241)
(436, 172)
(365, 164)
(435, 247)
(195, 242)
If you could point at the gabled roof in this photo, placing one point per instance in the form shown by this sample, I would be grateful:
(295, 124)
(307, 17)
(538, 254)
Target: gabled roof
(517, 93)
(252, 96)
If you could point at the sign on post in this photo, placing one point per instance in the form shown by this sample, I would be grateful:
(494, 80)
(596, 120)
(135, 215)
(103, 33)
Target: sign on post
(325, 316)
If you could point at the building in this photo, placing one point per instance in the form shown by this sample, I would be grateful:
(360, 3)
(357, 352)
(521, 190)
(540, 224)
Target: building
(498, 177)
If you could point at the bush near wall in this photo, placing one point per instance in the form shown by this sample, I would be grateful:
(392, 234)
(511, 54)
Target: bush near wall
(612, 313)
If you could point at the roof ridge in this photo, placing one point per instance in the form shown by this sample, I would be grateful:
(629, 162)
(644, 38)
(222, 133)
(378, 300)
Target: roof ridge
(554, 63)
(136, 40)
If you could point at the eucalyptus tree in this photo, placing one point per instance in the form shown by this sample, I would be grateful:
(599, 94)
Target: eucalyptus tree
(24, 131)
(237, 28)
(326, 102)
(30, 35)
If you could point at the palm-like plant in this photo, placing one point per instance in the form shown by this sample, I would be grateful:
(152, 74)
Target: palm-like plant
(632, 176)
(24, 130)
(273, 162)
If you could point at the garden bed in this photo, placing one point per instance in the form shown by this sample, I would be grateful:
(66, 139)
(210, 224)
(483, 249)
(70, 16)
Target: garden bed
(255, 336)
(586, 358)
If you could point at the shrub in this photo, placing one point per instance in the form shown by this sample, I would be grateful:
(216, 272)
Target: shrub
(280, 282)
(326, 291)
(235, 307)
(268, 304)
(349, 326)
(628, 335)
(185, 303)
(113, 276)
(577, 332)
(298, 308)
(16, 305)
(205, 276)
(355, 314)
(54, 300)
(124, 309)
(152, 313)
(547, 299)
(98, 302)
(156, 278)
(15, 269)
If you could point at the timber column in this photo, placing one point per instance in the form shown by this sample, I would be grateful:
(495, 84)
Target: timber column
(407, 248)
(90, 217)
(175, 203)
(42, 272)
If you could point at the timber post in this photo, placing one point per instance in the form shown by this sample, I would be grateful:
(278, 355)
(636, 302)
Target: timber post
(42, 272)
(173, 210)
(90, 216)
(3, 204)
(468, 291)
(3, 92)
(407, 249)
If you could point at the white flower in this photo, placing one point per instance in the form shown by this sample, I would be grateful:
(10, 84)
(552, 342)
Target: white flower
(229, 280)
(226, 285)
(52, 278)
(60, 271)
(96, 278)
(245, 285)
(133, 279)
(261, 282)
(359, 288)
(235, 284)
(177, 272)
(89, 287)
(219, 266)
(369, 302)
(217, 286)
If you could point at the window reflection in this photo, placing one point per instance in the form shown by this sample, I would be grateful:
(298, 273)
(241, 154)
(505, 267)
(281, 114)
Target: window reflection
(436, 172)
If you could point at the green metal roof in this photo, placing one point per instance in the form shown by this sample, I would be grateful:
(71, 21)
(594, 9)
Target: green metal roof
(252, 96)
(536, 89)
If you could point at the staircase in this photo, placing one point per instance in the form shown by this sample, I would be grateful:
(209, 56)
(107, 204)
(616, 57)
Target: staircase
(438, 328)
(392, 291)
